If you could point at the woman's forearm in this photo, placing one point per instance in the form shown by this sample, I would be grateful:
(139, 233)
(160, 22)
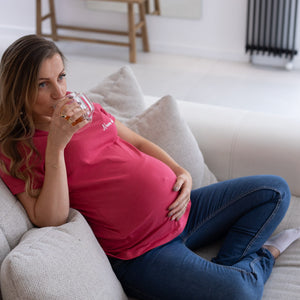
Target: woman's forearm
(148, 147)
(153, 150)
(51, 206)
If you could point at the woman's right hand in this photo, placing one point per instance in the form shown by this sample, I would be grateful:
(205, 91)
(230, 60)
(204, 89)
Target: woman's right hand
(67, 118)
(51, 206)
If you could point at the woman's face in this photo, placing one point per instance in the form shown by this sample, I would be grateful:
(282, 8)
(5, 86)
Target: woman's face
(52, 88)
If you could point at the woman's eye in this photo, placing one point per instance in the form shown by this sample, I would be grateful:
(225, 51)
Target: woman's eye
(42, 84)
(61, 76)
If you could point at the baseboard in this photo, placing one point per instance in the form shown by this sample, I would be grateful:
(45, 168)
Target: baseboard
(179, 49)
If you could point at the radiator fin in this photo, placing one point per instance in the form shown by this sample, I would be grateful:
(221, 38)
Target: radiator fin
(271, 27)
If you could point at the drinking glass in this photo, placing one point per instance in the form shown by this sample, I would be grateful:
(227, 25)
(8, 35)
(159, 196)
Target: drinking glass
(85, 104)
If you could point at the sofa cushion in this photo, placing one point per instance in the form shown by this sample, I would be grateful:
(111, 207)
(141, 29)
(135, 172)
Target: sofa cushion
(4, 246)
(64, 262)
(119, 94)
(13, 221)
(162, 124)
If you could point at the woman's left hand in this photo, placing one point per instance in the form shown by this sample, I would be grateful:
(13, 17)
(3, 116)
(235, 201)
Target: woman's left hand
(183, 185)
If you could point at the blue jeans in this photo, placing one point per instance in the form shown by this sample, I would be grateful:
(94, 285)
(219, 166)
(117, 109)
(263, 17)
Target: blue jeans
(242, 212)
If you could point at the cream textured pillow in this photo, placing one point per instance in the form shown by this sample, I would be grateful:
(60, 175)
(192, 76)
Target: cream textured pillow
(162, 124)
(14, 221)
(119, 94)
(64, 262)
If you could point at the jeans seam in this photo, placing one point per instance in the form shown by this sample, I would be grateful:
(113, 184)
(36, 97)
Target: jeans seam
(185, 238)
(252, 263)
(275, 210)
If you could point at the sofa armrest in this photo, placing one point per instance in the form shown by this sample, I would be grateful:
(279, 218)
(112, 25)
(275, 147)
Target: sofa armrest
(238, 143)
(63, 262)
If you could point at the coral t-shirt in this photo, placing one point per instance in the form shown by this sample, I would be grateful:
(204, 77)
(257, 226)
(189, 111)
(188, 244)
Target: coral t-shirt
(123, 193)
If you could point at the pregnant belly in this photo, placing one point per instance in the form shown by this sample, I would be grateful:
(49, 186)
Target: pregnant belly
(139, 197)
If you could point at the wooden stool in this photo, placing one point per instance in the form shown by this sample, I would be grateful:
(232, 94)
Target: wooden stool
(156, 10)
(132, 33)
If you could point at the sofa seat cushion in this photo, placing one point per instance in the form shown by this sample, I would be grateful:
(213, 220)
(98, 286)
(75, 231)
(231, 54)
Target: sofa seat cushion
(64, 262)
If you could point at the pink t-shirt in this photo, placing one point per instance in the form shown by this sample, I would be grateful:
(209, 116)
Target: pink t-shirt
(123, 193)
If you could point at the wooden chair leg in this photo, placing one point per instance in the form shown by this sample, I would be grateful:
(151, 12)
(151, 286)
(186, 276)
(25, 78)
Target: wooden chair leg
(53, 20)
(144, 31)
(131, 34)
(157, 7)
(147, 7)
(38, 17)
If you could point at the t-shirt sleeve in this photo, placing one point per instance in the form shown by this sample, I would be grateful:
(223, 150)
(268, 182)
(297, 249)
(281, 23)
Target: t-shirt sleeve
(15, 185)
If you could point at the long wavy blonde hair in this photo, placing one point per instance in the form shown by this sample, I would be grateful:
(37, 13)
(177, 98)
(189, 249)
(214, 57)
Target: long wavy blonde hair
(19, 69)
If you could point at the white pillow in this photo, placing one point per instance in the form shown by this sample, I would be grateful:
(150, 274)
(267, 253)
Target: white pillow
(119, 94)
(64, 262)
(162, 124)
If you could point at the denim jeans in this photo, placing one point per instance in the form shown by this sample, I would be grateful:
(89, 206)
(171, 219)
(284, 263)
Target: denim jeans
(242, 212)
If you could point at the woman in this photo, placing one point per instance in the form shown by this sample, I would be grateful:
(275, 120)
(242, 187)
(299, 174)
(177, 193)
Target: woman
(149, 222)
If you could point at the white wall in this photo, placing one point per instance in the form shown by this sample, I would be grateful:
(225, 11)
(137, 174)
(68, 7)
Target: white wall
(220, 33)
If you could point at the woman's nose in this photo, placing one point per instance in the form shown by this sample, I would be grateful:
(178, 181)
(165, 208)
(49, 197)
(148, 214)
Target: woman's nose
(58, 92)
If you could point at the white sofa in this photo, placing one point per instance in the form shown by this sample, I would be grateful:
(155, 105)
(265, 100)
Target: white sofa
(66, 262)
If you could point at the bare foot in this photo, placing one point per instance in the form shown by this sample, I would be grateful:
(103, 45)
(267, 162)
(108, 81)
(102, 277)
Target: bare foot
(274, 251)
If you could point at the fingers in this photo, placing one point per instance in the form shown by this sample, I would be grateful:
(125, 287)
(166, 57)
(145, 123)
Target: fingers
(178, 213)
(179, 183)
(178, 208)
(70, 111)
(73, 117)
(60, 105)
(67, 119)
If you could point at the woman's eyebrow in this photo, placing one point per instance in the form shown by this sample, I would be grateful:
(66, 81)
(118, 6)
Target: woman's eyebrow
(46, 78)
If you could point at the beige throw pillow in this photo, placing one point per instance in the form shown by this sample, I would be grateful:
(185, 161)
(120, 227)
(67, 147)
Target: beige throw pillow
(119, 94)
(162, 124)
